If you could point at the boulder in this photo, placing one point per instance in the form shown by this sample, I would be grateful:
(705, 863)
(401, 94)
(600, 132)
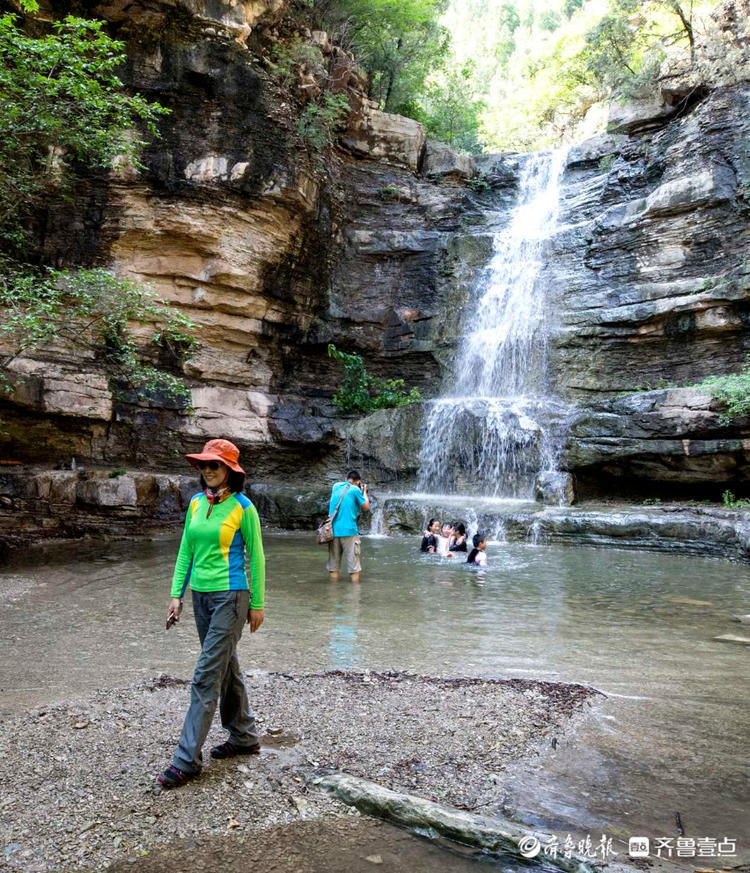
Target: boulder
(384, 137)
(554, 487)
(499, 171)
(111, 492)
(638, 115)
(386, 444)
(56, 390)
(704, 188)
(210, 168)
(444, 162)
(234, 414)
(319, 38)
(296, 423)
(592, 150)
(57, 486)
(238, 19)
(82, 395)
(290, 507)
(669, 435)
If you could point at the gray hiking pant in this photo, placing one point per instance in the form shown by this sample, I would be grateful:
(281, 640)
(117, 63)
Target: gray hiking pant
(219, 617)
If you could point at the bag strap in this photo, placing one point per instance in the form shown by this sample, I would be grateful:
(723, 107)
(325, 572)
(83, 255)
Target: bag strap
(339, 503)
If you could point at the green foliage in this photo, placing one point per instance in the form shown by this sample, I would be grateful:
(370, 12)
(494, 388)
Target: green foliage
(319, 121)
(542, 65)
(290, 57)
(731, 502)
(362, 392)
(399, 43)
(93, 311)
(652, 501)
(450, 110)
(479, 184)
(733, 391)
(549, 20)
(618, 58)
(62, 104)
(605, 163)
(508, 23)
(509, 17)
(389, 193)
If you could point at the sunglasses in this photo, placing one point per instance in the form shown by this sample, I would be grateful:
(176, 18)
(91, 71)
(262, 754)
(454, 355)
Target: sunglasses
(209, 465)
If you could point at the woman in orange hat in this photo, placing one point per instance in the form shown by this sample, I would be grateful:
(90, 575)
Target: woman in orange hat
(222, 528)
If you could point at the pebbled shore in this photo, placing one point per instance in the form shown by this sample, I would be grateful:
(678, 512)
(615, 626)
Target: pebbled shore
(79, 785)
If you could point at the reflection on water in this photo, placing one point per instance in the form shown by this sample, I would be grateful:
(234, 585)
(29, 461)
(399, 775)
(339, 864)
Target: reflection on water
(344, 649)
(671, 737)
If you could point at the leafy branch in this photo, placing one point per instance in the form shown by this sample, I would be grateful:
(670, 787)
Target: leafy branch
(360, 391)
(93, 311)
(63, 104)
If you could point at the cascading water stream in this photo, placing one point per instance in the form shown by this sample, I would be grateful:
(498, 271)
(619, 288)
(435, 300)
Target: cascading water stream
(493, 431)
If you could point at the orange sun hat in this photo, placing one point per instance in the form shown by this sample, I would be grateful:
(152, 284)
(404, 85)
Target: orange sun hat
(219, 450)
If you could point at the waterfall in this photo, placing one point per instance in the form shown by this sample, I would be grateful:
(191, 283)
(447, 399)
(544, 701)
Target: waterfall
(493, 429)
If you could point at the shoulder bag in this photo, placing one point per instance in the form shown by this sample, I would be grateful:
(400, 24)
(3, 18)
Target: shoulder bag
(325, 529)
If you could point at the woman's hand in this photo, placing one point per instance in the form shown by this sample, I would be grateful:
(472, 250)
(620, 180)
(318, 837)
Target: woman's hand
(173, 611)
(255, 619)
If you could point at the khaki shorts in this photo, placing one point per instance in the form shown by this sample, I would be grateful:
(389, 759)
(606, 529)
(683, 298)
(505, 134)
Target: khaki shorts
(347, 546)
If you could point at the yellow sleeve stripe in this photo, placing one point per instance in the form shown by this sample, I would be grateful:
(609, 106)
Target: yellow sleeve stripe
(228, 529)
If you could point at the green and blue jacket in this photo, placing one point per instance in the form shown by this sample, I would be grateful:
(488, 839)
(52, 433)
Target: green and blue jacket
(214, 545)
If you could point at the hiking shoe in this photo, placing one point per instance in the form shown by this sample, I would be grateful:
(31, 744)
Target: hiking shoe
(173, 777)
(229, 750)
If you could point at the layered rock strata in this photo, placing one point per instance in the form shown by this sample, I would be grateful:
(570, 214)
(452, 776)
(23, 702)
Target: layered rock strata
(233, 221)
(648, 289)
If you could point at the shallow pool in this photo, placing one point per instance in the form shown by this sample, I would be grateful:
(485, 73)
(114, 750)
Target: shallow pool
(672, 737)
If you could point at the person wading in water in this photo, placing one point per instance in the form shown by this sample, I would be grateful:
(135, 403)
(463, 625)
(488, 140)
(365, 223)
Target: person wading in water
(349, 497)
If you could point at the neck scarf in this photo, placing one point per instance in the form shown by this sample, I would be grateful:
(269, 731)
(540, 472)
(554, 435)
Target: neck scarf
(214, 497)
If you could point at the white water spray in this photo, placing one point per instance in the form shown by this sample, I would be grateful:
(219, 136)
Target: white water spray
(490, 432)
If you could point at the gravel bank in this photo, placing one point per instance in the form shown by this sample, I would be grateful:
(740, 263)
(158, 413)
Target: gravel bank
(78, 779)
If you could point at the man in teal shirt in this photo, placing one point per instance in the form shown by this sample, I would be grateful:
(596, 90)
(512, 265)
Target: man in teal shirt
(349, 497)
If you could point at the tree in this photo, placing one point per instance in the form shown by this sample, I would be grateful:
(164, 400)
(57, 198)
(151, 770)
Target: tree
(398, 42)
(549, 20)
(509, 17)
(625, 49)
(451, 111)
(570, 6)
(61, 105)
(509, 22)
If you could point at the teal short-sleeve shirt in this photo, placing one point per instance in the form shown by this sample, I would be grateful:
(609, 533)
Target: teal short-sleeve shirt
(345, 523)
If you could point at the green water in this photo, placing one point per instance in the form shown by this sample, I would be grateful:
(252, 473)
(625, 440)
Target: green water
(671, 737)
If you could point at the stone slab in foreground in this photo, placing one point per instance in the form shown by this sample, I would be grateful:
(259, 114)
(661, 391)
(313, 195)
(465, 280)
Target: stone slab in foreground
(490, 833)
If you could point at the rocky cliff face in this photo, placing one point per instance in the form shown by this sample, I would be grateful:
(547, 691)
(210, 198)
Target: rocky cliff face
(648, 284)
(652, 289)
(649, 274)
(232, 221)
